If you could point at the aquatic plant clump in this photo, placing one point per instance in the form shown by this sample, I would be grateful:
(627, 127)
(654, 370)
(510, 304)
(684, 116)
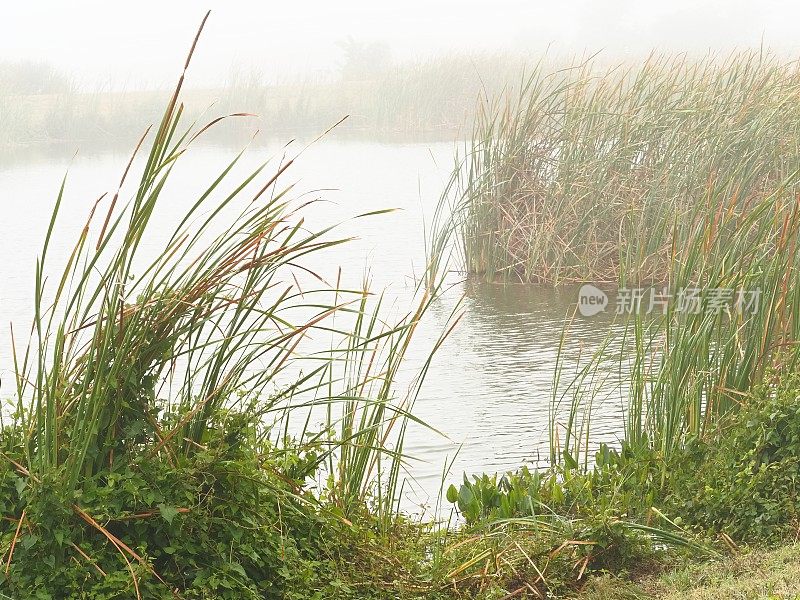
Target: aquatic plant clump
(149, 454)
(592, 174)
(677, 175)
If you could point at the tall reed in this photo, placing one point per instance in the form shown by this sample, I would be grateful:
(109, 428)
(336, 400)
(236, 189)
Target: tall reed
(131, 357)
(730, 326)
(674, 174)
(582, 173)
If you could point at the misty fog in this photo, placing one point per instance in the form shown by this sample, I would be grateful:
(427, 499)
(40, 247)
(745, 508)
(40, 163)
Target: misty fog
(229, 269)
(142, 45)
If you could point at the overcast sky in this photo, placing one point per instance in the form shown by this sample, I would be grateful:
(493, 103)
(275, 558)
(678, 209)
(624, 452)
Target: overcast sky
(143, 43)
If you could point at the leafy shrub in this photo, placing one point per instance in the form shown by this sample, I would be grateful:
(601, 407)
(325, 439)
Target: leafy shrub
(216, 525)
(745, 482)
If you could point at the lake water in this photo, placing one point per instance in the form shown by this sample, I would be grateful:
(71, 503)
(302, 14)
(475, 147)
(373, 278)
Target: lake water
(490, 385)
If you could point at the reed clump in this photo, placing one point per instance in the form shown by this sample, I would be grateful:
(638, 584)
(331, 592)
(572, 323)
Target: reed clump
(587, 173)
(677, 179)
(159, 441)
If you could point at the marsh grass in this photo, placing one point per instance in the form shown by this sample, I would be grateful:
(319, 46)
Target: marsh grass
(689, 367)
(590, 173)
(675, 174)
(132, 359)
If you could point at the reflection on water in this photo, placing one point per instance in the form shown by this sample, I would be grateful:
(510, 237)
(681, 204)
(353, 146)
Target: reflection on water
(489, 387)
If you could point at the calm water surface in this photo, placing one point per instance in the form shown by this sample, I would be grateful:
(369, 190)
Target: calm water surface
(490, 386)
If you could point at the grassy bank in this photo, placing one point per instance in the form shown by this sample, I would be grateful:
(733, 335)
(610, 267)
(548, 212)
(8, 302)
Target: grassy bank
(755, 575)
